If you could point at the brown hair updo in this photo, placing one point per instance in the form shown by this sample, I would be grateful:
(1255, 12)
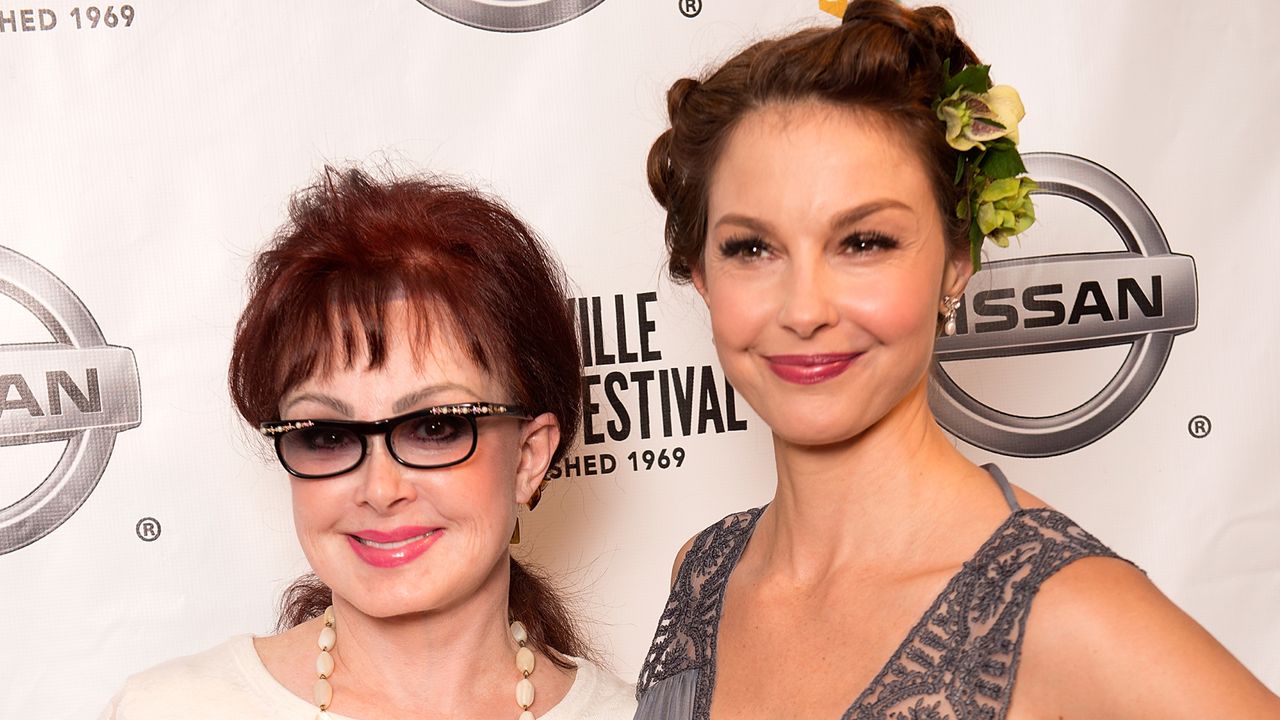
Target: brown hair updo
(883, 58)
(462, 262)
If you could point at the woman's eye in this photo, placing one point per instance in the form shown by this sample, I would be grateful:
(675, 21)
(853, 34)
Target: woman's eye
(435, 430)
(321, 439)
(860, 243)
(746, 248)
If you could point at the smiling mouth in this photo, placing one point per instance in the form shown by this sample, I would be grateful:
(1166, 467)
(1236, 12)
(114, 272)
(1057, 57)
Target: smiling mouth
(810, 369)
(394, 544)
(395, 548)
(811, 360)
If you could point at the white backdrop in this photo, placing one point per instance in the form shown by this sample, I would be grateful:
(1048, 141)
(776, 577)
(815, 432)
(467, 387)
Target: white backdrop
(142, 165)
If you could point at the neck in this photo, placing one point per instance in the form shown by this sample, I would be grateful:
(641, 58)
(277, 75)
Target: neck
(440, 659)
(866, 501)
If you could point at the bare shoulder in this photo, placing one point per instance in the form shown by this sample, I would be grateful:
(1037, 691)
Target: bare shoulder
(1103, 642)
(680, 555)
(1028, 500)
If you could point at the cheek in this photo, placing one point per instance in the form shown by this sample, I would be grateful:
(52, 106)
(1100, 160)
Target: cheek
(472, 498)
(481, 491)
(739, 312)
(317, 507)
(894, 308)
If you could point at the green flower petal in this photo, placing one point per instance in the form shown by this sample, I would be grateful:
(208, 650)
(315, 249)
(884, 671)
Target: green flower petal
(987, 220)
(1024, 222)
(956, 120)
(1000, 189)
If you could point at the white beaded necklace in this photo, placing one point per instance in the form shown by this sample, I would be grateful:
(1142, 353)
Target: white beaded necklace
(323, 693)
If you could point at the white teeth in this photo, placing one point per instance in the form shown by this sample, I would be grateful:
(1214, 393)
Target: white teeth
(392, 545)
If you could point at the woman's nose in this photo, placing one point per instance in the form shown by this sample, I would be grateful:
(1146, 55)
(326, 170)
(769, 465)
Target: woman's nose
(385, 483)
(807, 306)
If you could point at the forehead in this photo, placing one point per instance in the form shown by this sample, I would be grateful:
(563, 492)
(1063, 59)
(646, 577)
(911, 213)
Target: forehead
(403, 349)
(817, 157)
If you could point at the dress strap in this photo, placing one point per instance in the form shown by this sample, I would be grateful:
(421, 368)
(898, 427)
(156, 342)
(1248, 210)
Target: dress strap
(686, 634)
(1005, 487)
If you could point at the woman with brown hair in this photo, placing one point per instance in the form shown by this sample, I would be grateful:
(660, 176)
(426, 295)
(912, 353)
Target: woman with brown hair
(827, 194)
(408, 350)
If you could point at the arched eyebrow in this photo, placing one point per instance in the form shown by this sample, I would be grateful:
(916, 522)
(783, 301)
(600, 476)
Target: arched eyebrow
(404, 404)
(753, 224)
(417, 397)
(843, 219)
(328, 401)
(867, 209)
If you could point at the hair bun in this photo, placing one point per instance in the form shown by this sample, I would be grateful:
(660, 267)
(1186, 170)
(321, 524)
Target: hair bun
(938, 24)
(678, 93)
(660, 169)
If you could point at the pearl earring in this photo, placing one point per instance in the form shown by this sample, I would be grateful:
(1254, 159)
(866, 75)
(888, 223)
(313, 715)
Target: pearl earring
(949, 305)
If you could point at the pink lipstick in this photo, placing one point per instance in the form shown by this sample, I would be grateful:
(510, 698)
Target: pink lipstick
(394, 548)
(810, 369)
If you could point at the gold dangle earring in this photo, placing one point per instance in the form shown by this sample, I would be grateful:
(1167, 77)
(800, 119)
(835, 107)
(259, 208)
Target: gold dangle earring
(533, 503)
(537, 495)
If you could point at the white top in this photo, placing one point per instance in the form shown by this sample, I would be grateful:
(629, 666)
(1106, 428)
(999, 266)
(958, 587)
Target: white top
(230, 681)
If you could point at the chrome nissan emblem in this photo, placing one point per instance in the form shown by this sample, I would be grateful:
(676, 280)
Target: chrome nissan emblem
(1141, 296)
(511, 15)
(76, 389)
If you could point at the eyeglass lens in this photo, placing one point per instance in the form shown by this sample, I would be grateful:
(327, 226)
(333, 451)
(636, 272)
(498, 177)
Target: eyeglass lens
(430, 441)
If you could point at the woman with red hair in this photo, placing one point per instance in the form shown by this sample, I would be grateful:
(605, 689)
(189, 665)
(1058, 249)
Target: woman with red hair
(407, 348)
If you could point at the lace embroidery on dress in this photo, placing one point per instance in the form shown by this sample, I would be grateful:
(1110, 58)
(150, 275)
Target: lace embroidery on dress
(959, 661)
(686, 634)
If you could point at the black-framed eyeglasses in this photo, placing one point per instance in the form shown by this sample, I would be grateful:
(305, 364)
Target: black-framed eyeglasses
(434, 437)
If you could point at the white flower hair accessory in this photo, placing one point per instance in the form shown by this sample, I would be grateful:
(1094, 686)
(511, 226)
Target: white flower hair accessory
(982, 124)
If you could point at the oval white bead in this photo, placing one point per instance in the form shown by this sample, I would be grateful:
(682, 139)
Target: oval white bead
(524, 660)
(519, 633)
(328, 615)
(526, 715)
(327, 638)
(524, 693)
(324, 664)
(322, 715)
(323, 694)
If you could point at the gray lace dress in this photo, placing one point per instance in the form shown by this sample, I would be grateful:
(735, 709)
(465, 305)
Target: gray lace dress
(958, 662)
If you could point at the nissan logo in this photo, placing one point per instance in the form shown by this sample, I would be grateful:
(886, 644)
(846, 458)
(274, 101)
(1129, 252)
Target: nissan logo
(511, 15)
(76, 389)
(1141, 296)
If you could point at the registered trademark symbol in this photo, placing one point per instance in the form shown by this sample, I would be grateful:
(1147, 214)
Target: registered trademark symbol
(1199, 426)
(148, 529)
(690, 8)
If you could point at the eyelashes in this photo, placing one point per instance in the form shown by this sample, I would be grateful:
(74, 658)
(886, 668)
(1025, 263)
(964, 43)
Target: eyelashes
(743, 247)
(752, 247)
(862, 242)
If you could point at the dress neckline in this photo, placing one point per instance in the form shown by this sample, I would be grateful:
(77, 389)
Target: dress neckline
(749, 530)
(254, 670)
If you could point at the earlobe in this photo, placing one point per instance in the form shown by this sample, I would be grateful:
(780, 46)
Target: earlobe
(956, 276)
(540, 438)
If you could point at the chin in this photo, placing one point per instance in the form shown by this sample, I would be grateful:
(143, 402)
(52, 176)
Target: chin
(393, 602)
(815, 432)
(816, 440)
(442, 588)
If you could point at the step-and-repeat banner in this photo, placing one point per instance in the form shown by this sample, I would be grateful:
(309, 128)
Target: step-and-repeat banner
(1119, 361)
